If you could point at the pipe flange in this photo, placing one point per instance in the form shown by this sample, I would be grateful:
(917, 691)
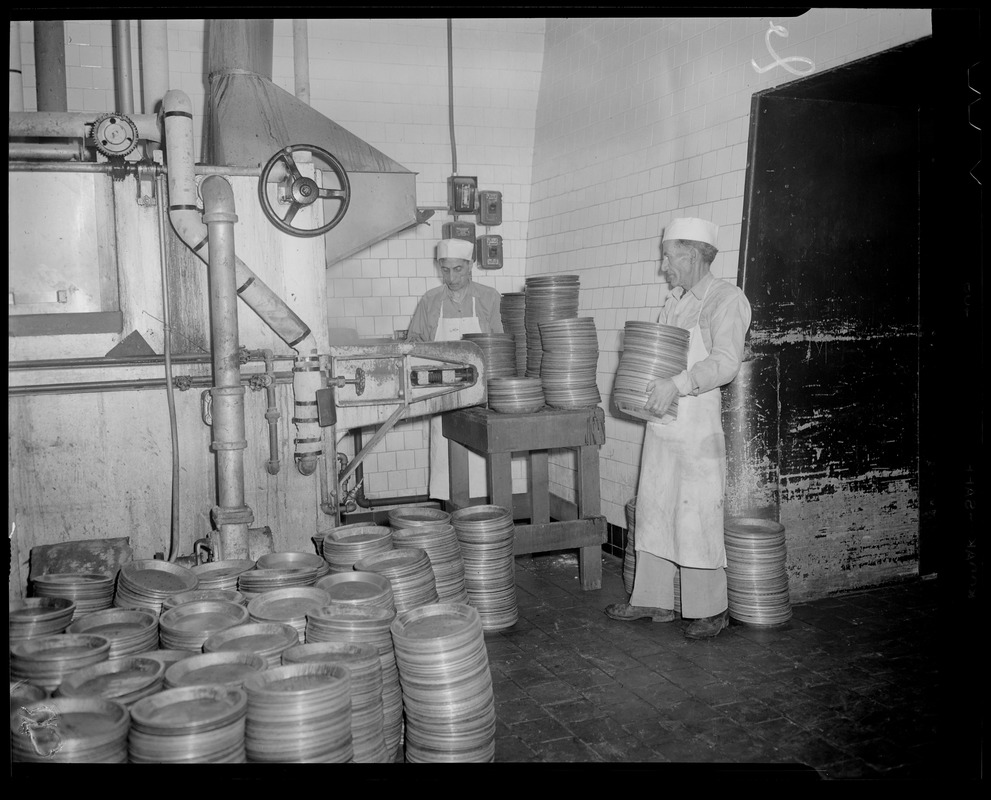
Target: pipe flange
(114, 135)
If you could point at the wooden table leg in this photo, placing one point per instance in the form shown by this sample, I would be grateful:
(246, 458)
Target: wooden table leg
(540, 496)
(457, 464)
(501, 480)
(588, 500)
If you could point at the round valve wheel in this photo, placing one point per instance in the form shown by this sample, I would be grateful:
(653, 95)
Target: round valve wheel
(282, 196)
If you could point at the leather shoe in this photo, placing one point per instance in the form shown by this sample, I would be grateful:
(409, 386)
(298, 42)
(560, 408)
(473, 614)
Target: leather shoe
(626, 612)
(707, 627)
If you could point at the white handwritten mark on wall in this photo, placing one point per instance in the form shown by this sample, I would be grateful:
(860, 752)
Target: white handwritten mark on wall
(782, 62)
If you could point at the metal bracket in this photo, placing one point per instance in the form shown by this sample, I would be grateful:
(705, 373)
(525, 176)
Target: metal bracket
(147, 191)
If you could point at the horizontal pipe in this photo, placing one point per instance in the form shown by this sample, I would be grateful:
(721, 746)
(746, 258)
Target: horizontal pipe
(56, 151)
(83, 387)
(128, 361)
(103, 166)
(73, 124)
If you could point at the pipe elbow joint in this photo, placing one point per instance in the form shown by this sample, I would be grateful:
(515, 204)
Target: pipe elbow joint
(218, 200)
(177, 101)
(306, 465)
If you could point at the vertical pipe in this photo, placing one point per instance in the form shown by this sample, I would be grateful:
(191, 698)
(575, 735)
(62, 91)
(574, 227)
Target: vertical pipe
(124, 82)
(16, 88)
(301, 59)
(232, 516)
(154, 63)
(49, 60)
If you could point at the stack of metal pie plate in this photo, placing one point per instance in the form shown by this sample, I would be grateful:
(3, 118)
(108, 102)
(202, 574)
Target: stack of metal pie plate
(90, 591)
(267, 639)
(288, 606)
(189, 725)
(418, 517)
(447, 684)
(498, 353)
(441, 545)
(367, 717)
(299, 713)
(146, 584)
(256, 582)
(130, 631)
(338, 622)
(188, 625)
(222, 574)
(408, 570)
(513, 311)
(47, 660)
(650, 350)
(38, 616)
(486, 535)
(548, 298)
(516, 395)
(294, 560)
(70, 730)
(570, 357)
(756, 576)
(345, 546)
(227, 668)
(125, 680)
(358, 588)
(225, 595)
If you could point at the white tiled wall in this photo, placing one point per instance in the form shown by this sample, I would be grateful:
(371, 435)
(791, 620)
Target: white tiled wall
(643, 120)
(596, 131)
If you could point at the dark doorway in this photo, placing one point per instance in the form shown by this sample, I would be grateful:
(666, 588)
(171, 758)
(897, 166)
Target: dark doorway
(834, 230)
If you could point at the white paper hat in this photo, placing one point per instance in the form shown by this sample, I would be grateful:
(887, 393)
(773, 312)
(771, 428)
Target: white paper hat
(693, 229)
(455, 248)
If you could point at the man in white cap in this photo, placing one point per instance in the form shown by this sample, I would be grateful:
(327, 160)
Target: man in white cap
(444, 314)
(679, 509)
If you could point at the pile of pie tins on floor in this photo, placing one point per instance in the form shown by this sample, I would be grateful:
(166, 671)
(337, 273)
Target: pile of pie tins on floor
(290, 658)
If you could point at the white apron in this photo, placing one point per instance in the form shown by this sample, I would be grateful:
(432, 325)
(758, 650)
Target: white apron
(451, 330)
(683, 477)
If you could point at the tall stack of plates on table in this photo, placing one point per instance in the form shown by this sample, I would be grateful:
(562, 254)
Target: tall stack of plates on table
(343, 547)
(650, 350)
(498, 353)
(358, 588)
(418, 517)
(293, 559)
(75, 730)
(441, 545)
(756, 578)
(570, 357)
(516, 395)
(512, 309)
(188, 625)
(299, 713)
(367, 717)
(630, 556)
(338, 622)
(548, 298)
(225, 595)
(146, 584)
(288, 606)
(222, 574)
(408, 570)
(189, 725)
(38, 616)
(90, 591)
(125, 680)
(447, 684)
(227, 668)
(486, 536)
(266, 639)
(46, 661)
(130, 631)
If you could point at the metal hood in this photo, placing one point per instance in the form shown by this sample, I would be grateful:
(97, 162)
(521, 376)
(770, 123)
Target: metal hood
(251, 119)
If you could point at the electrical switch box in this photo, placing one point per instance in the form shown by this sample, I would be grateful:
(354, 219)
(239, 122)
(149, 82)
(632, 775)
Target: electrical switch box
(463, 194)
(459, 230)
(488, 251)
(490, 208)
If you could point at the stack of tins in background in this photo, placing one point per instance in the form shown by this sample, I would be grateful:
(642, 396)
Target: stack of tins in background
(548, 298)
(498, 354)
(512, 308)
(431, 530)
(756, 576)
(630, 556)
(486, 535)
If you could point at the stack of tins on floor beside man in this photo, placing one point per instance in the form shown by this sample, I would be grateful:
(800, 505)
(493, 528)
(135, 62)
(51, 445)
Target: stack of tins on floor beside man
(294, 657)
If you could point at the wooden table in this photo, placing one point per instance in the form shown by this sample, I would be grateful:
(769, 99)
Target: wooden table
(554, 523)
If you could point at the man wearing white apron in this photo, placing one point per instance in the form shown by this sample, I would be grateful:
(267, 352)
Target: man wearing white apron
(445, 314)
(683, 465)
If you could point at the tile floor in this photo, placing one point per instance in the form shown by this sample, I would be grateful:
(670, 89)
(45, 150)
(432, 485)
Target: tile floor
(846, 689)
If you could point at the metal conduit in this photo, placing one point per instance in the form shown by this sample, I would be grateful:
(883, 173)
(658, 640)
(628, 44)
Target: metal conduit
(130, 384)
(121, 29)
